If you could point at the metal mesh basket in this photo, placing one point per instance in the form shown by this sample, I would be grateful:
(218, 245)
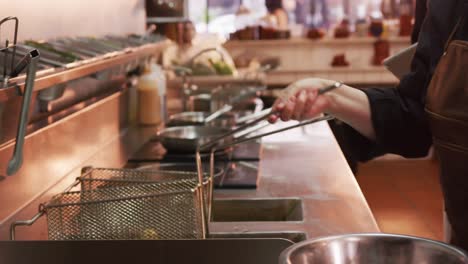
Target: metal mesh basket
(97, 178)
(129, 204)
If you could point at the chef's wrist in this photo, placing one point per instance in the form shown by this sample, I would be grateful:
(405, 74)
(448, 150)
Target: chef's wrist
(335, 99)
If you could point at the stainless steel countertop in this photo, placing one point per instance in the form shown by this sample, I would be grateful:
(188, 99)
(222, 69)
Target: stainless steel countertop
(306, 163)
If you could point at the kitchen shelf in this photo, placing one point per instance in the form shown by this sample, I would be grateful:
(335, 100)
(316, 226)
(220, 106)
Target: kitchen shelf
(323, 41)
(65, 75)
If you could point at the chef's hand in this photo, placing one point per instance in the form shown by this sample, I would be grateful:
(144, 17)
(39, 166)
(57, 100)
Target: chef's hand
(300, 100)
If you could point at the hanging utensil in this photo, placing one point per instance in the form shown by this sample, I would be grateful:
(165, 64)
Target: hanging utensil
(16, 161)
(258, 114)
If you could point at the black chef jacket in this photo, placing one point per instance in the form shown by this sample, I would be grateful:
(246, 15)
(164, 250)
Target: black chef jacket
(398, 114)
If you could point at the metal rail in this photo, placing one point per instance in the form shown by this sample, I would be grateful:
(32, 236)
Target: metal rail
(67, 75)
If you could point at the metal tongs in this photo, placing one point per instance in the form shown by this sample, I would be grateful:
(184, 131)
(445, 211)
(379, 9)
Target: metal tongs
(213, 144)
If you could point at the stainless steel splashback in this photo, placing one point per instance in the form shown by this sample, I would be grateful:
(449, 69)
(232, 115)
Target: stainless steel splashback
(65, 133)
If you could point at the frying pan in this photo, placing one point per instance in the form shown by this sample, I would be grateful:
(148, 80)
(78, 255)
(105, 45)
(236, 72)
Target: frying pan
(198, 119)
(187, 138)
(229, 119)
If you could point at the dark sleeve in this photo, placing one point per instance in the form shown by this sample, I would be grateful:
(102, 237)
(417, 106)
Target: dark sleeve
(419, 14)
(398, 114)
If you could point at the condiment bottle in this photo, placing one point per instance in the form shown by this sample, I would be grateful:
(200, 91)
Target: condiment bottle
(149, 99)
(162, 87)
(406, 24)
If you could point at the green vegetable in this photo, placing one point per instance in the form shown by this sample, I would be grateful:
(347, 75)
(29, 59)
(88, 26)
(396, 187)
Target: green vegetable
(221, 67)
(202, 69)
(69, 57)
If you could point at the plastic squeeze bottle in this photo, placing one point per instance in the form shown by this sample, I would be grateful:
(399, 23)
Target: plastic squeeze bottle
(149, 99)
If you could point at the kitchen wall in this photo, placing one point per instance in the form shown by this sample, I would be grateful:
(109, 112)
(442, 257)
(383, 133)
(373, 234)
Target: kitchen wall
(44, 19)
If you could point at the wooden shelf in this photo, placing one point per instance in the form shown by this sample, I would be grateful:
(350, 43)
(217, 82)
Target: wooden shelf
(324, 41)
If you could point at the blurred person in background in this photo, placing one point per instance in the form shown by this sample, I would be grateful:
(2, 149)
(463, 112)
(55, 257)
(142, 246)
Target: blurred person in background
(319, 13)
(277, 15)
(190, 45)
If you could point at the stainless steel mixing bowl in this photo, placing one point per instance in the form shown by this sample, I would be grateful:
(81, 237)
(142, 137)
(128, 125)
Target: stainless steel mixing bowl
(372, 249)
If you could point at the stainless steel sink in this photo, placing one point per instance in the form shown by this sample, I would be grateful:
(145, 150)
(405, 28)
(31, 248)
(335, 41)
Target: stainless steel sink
(291, 236)
(257, 210)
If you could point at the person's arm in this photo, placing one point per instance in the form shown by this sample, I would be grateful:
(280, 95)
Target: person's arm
(300, 101)
(169, 55)
(420, 12)
(392, 120)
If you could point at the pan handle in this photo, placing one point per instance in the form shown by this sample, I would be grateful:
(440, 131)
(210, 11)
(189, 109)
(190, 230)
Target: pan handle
(245, 139)
(218, 113)
(214, 141)
(253, 116)
(228, 107)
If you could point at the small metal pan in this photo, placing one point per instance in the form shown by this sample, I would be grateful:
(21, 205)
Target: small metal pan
(230, 119)
(198, 119)
(187, 138)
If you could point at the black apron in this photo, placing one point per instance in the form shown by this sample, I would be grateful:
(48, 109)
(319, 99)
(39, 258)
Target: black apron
(447, 111)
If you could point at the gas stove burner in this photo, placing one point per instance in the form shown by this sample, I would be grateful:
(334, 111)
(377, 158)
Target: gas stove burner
(203, 155)
(228, 175)
(239, 174)
(236, 168)
(155, 151)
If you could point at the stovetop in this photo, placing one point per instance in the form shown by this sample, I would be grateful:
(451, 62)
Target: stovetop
(155, 151)
(236, 167)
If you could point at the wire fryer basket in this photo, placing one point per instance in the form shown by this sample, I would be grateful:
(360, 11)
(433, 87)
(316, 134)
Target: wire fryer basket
(129, 204)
